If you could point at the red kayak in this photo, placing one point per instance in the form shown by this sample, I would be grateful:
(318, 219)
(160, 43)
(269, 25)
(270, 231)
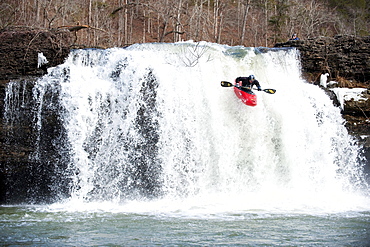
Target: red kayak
(246, 95)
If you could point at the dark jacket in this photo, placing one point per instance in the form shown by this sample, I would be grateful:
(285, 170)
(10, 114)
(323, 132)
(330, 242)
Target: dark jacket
(246, 83)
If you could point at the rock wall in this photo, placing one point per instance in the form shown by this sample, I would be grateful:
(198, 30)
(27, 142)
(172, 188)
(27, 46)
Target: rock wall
(28, 170)
(19, 49)
(342, 56)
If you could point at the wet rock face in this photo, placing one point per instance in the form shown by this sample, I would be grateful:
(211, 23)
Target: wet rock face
(19, 49)
(341, 56)
(33, 157)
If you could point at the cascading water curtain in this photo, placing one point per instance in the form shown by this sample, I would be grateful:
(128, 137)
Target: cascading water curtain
(152, 121)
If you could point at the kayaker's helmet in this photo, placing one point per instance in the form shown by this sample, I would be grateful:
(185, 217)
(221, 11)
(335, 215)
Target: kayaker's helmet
(252, 78)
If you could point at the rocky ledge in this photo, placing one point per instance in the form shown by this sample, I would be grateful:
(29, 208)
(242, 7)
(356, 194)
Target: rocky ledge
(345, 57)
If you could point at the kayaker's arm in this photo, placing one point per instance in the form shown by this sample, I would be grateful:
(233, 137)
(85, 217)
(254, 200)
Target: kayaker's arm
(257, 83)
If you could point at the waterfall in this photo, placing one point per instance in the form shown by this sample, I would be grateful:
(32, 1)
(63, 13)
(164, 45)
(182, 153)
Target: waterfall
(152, 121)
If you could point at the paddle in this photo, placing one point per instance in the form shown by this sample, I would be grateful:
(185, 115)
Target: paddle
(229, 84)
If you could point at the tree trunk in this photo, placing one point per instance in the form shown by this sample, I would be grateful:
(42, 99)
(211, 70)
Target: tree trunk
(125, 25)
(178, 23)
(247, 6)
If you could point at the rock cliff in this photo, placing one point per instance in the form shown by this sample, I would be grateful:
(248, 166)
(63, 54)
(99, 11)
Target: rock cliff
(19, 49)
(342, 57)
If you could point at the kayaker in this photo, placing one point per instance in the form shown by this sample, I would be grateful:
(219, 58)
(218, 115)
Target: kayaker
(248, 82)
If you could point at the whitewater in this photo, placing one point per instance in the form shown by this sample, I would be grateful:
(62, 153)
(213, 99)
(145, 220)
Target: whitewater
(160, 153)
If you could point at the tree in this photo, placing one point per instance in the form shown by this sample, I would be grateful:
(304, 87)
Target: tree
(355, 14)
(278, 20)
(246, 4)
(234, 22)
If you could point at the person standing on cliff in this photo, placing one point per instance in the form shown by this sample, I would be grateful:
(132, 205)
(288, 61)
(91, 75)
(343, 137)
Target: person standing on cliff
(294, 37)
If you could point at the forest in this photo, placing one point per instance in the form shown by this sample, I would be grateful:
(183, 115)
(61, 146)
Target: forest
(117, 23)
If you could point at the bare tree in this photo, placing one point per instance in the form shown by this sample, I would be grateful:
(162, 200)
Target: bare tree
(310, 18)
(7, 12)
(246, 4)
(235, 22)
